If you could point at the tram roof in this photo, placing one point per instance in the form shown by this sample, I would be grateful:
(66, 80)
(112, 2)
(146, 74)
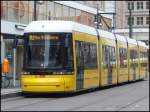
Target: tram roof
(58, 26)
(131, 41)
(120, 38)
(106, 34)
(64, 26)
(141, 44)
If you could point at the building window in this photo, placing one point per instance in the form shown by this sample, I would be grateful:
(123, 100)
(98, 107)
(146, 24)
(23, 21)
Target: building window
(132, 20)
(90, 19)
(72, 14)
(139, 5)
(147, 20)
(41, 11)
(78, 16)
(131, 5)
(83, 17)
(139, 20)
(50, 10)
(147, 5)
(58, 12)
(24, 12)
(4, 10)
(13, 11)
(65, 13)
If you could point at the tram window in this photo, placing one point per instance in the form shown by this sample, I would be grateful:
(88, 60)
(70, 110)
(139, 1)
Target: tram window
(133, 57)
(123, 57)
(143, 56)
(79, 54)
(104, 53)
(131, 54)
(109, 56)
(89, 54)
(49, 51)
(113, 56)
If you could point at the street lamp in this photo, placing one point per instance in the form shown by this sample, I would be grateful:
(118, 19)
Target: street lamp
(39, 2)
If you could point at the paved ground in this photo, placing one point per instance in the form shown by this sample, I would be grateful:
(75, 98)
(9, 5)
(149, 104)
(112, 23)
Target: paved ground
(129, 97)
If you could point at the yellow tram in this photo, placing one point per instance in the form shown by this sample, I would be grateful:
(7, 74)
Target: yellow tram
(64, 56)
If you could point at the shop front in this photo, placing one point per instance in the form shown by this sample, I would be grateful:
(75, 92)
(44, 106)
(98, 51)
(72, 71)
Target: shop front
(14, 54)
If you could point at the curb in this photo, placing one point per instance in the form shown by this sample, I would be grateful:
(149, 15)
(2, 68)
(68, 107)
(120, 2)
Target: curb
(10, 95)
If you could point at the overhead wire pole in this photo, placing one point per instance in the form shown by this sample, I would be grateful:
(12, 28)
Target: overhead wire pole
(130, 22)
(98, 20)
(101, 17)
(35, 2)
(34, 10)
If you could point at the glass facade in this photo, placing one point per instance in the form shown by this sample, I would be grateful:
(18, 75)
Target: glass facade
(22, 12)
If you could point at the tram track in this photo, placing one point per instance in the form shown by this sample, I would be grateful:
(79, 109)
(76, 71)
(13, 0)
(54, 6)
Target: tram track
(104, 92)
(101, 100)
(105, 98)
(34, 102)
(52, 99)
(130, 104)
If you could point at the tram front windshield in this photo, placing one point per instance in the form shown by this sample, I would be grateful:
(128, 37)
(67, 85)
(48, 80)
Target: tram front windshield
(48, 52)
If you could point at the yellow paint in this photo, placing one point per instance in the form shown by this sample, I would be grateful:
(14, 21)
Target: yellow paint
(53, 83)
(91, 78)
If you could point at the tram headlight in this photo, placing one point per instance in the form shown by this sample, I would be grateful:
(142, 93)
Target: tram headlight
(58, 72)
(25, 73)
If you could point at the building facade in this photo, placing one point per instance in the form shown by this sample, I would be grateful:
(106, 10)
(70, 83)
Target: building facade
(139, 19)
(16, 15)
(94, 4)
(22, 11)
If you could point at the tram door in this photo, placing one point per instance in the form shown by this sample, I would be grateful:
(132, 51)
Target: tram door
(133, 65)
(108, 67)
(109, 70)
(79, 65)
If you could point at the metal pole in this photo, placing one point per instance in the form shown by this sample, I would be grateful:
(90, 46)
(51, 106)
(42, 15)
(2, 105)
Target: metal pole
(130, 23)
(2, 50)
(115, 16)
(14, 67)
(97, 18)
(35, 10)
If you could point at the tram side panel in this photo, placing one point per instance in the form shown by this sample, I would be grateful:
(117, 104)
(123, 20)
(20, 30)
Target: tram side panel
(108, 62)
(133, 62)
(122, 62)
(86, 61)
(143, 62)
